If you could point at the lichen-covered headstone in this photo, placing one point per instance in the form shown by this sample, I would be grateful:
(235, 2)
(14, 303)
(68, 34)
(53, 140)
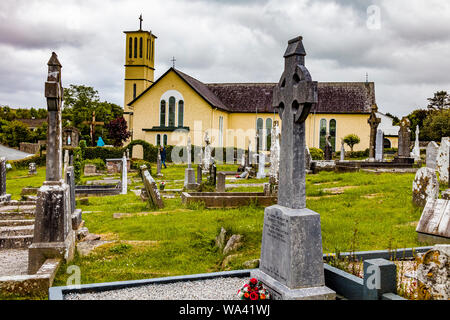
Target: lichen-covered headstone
(432, 152)
(425, 186)
(3, 196)
(434, 223)
(442, 161)
(154, 197)
(433, 273)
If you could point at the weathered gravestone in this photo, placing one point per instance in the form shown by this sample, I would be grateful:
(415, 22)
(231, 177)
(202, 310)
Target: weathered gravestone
(189, 175)
(404, 141)
(154, 197)
(90, 170)
(434, 224)
(433, 274)
(221, 182)
(442, 161)
(32, 169)
(75, 213)
(425, 186)
(373, 122)
(308, 159)
(207, 157)
(274, 157)
(291, 253)
(261, 166)
(3, 196)
(379, 148)
(53, 234)
(432, 152)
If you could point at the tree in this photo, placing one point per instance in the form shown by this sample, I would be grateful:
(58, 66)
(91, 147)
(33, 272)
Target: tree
(437, 125)
(80, 102)
(417, 117)
(395, 120)
(14, 133)
(118, 131)
(440, 101)
(351, 140)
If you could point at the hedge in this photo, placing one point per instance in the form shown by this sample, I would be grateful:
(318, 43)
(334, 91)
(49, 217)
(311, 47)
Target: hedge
(316, 154)
(24, 163)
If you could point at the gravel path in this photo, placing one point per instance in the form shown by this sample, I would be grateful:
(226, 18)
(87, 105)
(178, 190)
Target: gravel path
(13, 262)
(211, 289)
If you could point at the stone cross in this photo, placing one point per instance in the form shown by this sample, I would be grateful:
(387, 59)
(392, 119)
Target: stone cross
(294, 96)
(92, 125)
(404, 138)
(373, 122)
(54, 95)
(416, 150)
(291, 264)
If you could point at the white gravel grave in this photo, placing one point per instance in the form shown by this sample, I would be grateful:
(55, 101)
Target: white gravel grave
(210, 289)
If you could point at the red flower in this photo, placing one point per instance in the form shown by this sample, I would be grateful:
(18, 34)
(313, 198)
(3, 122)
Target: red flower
(253, 281)
(254, 296)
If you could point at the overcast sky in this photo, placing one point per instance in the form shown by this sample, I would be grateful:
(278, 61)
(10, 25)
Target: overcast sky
(403, 45)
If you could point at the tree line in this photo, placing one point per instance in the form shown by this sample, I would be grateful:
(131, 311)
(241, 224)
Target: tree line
(79, 104)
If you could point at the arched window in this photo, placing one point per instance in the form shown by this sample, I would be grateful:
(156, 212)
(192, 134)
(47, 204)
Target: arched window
(323, 133)
(268, 133)
(140, 47)
(333, 134)
(130, 47)
(158, 139)
(259, 132)
(135, 47)
(162, 114)
(386, 143)
(180, 113)
(134, 91)
(165, 139)
(171, 112)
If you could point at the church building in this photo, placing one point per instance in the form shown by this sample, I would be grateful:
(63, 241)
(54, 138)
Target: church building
(178, 105)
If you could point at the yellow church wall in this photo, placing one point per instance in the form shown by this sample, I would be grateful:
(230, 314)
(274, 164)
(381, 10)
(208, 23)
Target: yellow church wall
(198, 114)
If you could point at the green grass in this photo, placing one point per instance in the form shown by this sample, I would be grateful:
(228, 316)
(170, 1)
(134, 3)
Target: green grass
(376, 213)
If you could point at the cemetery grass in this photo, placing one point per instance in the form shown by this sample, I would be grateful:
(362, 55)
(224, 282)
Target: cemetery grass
(359, 211)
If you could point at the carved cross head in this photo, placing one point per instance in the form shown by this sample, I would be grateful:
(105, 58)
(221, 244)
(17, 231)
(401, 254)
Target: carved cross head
(295, 93)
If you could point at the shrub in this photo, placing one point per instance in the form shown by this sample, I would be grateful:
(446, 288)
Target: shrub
(137, 163)
(316, 153)
(351, 140)
(24, 163)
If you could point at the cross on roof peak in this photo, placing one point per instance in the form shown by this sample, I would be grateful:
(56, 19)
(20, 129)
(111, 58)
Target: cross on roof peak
(173, 62)
(140, 22)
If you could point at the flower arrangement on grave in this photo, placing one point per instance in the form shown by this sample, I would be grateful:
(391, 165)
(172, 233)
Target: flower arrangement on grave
(253, 290)
(162, 185)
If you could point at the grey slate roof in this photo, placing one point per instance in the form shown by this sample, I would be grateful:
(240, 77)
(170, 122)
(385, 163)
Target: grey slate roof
(334, 97)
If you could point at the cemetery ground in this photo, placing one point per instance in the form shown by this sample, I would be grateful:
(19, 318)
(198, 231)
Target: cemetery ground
(359, 211)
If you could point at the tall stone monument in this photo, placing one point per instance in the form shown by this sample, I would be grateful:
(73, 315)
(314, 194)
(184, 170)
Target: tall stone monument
(379, 146)
(274, 155)
(416, 150)
(207, 157)
(342, 155)
(158, 164)
(3, 196)
(189, 175)
(53, 233)
(373, 122)
(404, 141)
(124, 181)
(261, 165)
(291, 252)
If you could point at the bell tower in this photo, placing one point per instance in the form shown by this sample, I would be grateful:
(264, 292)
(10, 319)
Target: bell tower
(139, 63)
